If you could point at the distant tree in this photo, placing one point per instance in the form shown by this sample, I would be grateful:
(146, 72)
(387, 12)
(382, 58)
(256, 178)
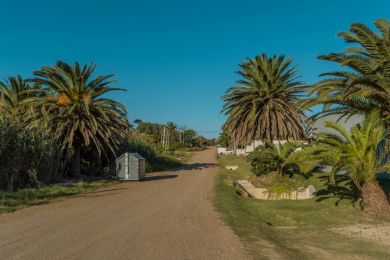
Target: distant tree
(171, 127)
(151, 129)
(137, 121)
(189, 137)
(224, 139)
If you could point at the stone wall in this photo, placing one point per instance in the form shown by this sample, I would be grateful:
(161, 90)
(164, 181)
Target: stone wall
(262, 193)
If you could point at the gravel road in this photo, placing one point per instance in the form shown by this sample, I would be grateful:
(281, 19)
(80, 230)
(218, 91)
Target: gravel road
(167, 216)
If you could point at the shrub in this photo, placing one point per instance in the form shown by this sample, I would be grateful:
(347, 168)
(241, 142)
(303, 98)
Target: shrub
(277, 184)
(29, 156)
(261, 163)
(154, 161)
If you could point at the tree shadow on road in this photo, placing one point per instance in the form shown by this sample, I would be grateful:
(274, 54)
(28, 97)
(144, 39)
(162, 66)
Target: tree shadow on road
(194, 166)
(159, 177)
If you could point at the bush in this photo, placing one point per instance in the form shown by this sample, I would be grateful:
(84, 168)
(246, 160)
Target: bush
(262, 163)
(29, 156)
(281, 158)
(154, 161)
(278, 184)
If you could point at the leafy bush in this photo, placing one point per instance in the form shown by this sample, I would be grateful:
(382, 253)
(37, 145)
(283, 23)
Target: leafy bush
(277, 184)
(29, 156)
(261, 163)
(274, 158)
(154, 161)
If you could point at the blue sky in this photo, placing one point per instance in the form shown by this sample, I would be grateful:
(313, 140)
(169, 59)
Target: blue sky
(175, 58)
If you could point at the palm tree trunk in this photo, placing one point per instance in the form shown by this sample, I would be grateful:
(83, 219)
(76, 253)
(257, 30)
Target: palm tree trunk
(374, 199)
(76, 164)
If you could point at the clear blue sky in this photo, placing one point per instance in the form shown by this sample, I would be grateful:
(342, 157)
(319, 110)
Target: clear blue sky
(175, 58)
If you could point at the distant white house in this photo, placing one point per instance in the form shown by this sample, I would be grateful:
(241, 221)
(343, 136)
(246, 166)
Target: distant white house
(318, 126)
(244, 151)
(224, 151)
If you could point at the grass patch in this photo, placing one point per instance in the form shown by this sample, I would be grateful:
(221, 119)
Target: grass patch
(292, 229)
(22, 198)
(164, 162)
(180, 155)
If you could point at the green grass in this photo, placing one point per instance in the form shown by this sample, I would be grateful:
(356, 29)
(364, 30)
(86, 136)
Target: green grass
(291, 229)
(180, 155)
(11, 201)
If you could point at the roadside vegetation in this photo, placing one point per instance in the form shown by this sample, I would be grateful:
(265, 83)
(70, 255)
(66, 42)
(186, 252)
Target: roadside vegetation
(347, 166)
(298, 229)
(268, 104)
(26, 197)
(60, 127)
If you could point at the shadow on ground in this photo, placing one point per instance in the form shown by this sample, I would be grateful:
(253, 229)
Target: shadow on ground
(194, 166)
(159, 177)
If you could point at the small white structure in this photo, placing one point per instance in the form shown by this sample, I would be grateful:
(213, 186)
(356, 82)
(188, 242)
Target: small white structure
(255, 144)
(224, 151)
(130, 166)
(241, 152)
(231, 167)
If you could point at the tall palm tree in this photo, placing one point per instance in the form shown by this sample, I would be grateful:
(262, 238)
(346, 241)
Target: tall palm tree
(361, 154)
(76, 110)
(365, 84)
(264, 105)
(13, 94)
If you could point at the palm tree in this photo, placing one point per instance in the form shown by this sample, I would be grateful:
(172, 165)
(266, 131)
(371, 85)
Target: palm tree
(361, 154)
(365, 84)
(137, 121)
(264, 105)
(13, 95)
(75, 109)
(224, 139)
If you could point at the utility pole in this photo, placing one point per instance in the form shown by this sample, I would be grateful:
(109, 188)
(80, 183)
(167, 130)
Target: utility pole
(163, 142)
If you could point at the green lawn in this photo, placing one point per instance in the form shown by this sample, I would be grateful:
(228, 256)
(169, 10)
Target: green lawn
(11, 201)
(292, 229)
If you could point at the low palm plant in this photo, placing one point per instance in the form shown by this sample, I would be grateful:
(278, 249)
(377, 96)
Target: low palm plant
(273, 157)
(361, 155)
(74, 107)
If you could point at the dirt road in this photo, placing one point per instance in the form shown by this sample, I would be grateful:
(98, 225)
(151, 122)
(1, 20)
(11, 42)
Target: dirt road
(167, 216)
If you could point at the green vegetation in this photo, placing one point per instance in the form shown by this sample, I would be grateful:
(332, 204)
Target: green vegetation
(170, 137)
(71, 104)
(264, 105)
(275, 158)
(279, 184)
(28, 157)
(364, 84)
(14, 200)
(60, 125)
(293, 229)
(361, 154)
(268, 105)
